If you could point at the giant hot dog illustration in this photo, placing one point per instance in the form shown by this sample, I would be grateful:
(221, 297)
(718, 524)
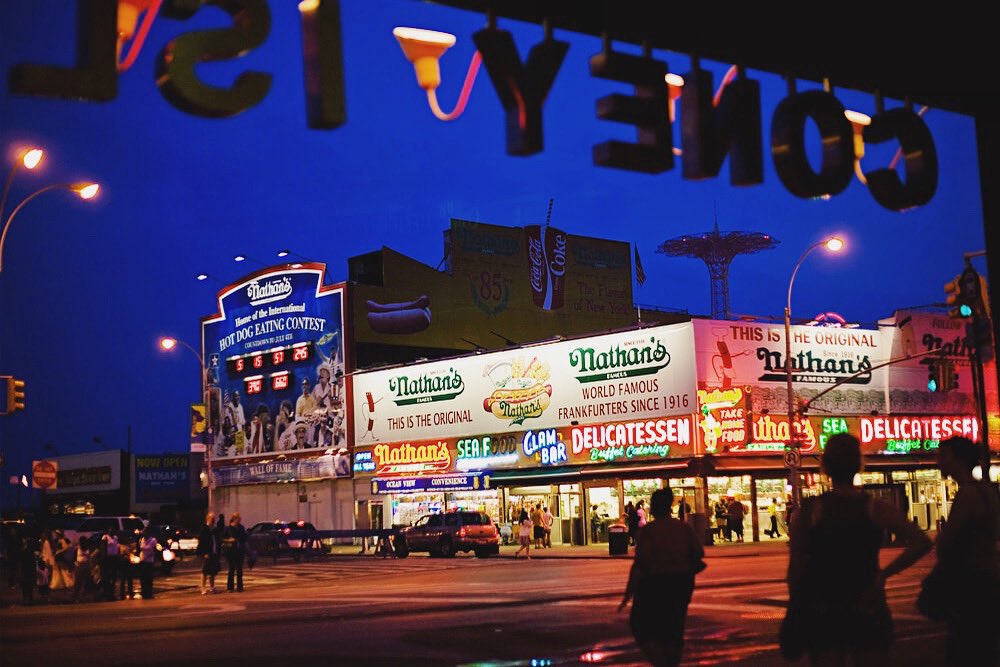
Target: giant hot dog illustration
(520, 390)
(400, 318)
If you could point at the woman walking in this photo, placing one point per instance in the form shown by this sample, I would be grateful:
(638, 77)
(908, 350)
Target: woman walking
(668, 555)
(208, 549)
(524, 527)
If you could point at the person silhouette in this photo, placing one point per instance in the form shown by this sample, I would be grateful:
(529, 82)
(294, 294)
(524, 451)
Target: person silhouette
(835, 584)
(668, 555)
(967, 556)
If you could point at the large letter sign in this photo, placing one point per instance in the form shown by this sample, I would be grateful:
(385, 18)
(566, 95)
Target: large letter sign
(521, 87)
(788, 145)
(648, 110)
(920, 162)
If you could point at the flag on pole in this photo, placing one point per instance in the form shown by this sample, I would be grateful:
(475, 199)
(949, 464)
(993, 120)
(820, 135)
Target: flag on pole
(640, 275)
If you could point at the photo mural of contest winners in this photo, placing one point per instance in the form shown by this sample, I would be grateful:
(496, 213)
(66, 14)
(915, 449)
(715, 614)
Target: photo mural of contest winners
(279, 335)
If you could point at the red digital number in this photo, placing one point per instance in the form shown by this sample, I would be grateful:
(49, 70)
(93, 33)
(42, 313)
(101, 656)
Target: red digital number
(258, 361)
(255, 386)
(279, 382)
(300, 353)
(278, 358)
(240, 365)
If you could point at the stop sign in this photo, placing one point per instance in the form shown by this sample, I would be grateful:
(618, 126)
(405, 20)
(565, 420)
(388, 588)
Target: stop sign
(43, 474)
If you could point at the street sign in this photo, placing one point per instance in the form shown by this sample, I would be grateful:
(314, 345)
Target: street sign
(43, 474)
(792, 458)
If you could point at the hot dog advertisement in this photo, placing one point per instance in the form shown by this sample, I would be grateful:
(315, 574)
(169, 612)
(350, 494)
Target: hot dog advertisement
(274, 356)
(640, 374)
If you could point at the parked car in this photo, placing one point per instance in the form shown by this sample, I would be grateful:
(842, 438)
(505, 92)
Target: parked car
(446, 534)
(275, 538)
(179, 539)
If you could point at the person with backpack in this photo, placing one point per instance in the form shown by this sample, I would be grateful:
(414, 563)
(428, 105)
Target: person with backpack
(837, 609)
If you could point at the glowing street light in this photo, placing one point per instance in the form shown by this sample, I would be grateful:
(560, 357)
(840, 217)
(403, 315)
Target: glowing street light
(83, 190)
(169, 344)
(832, 244)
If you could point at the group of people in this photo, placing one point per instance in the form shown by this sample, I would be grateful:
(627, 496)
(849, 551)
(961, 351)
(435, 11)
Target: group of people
(537, 526)
(99, 567)
(837, 610)
(216, 540)
(729, 514)
(837, 585)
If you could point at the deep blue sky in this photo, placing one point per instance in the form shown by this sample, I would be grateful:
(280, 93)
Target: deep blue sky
(87, 289)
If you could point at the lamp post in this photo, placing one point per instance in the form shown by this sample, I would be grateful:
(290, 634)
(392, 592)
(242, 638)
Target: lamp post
(83, 190)
(29, 158)
(832, 244)
(168, 344)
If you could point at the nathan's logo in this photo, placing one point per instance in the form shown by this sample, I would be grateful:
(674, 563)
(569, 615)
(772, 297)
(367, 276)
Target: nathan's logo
(772, 435)
(273, 290)
(426, 388)
(407, 458)
(521, 391)
(619, 362)
(807, 367)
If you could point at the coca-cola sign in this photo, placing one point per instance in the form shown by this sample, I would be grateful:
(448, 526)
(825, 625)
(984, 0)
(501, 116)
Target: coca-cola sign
(546, 265)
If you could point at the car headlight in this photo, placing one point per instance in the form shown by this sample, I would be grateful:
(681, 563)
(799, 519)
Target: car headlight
(168, 555)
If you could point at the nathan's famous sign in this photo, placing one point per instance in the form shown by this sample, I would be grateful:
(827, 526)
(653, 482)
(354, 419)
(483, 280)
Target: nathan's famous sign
(712, 131)
(738, 355)
(635, 375)
(274, 361)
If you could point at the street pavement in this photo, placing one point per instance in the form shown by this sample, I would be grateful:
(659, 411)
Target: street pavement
(360, 609)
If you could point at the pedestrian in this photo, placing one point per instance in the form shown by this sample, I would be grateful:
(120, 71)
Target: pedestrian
(722, 520)
(668, 555)
(26, 568)
(524, 534)
(736, 511)
(631, 521)
(683, 510)
(537, 527)
(147, 560)
(82, 577)
(547, 520)
(112, 565)
(837, 610)
(967, 559)
(772, 513)
(48, 556)
(208, 549)
(43, 576)
(234, 545)
(595, 524)
(640, 514)
(129, 564)
(65, 557)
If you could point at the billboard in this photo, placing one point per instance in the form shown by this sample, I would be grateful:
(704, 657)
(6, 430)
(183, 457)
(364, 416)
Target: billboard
(274, 357)
(742, 354)
(501, 284)
(162, 478)
(634, 375)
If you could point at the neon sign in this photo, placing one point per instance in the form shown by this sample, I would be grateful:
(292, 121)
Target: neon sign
(545, 446)
(905, 434)
(486, 452)
(409, 458)
(722, 417)
(629, 440)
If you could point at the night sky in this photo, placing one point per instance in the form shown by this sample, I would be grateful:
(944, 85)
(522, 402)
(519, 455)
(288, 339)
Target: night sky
(88, 288)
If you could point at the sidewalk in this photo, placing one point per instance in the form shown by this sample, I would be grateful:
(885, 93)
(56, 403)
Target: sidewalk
(723, 550)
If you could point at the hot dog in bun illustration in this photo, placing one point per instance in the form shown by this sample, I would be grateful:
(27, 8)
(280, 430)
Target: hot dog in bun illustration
(521, 391)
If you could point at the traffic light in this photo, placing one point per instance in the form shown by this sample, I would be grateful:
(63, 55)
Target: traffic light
(15, 395)
(965, 295)
(941, 375)
(934, 375)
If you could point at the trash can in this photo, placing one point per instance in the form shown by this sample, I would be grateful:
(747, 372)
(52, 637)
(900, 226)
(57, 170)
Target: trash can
(617, 539)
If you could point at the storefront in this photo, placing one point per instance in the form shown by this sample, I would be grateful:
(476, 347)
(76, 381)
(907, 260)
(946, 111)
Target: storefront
(90, 484)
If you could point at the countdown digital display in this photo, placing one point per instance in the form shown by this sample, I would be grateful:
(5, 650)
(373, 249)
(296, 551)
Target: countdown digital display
(275, 358)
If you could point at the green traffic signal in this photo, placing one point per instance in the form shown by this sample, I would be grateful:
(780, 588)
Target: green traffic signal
(965, 310)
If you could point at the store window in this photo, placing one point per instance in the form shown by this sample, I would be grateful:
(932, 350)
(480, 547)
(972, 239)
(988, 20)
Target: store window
(603, 509)
(487, 502)
(407, 508)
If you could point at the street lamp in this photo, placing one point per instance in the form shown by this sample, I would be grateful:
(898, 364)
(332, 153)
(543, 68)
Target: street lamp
(83, 191)
(29, 158)
(168, 344)
(833, 244)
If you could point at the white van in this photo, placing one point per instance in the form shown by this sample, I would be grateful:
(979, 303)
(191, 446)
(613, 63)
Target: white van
(126, 527)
